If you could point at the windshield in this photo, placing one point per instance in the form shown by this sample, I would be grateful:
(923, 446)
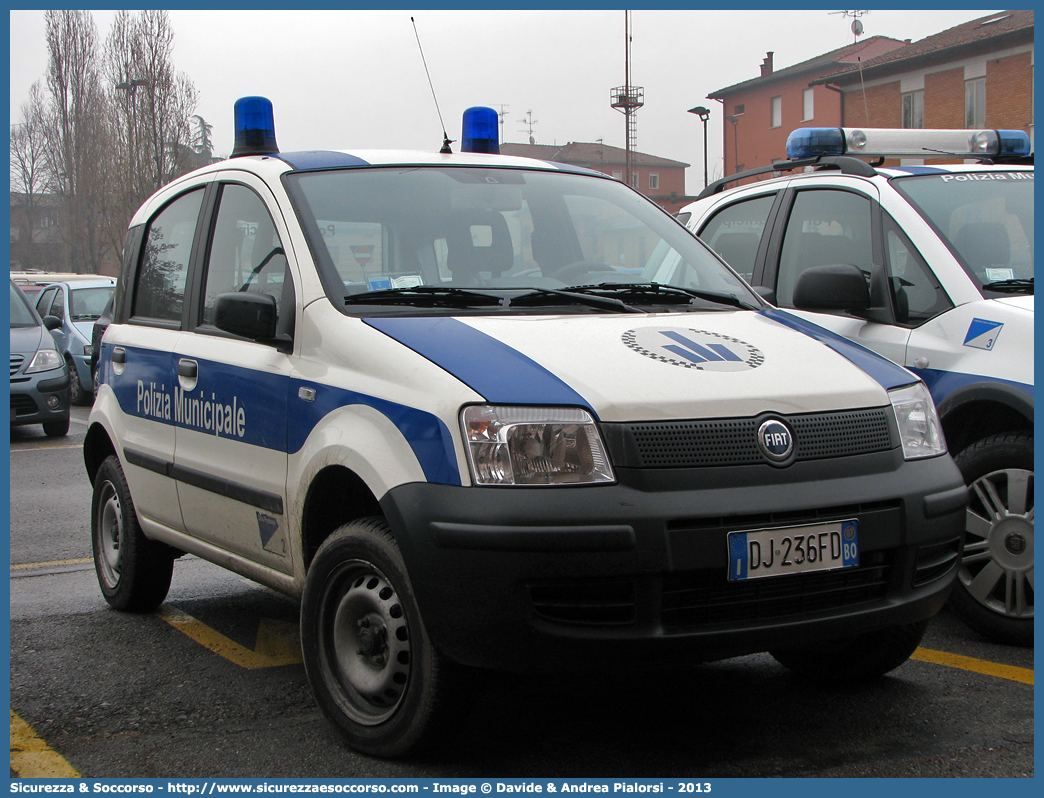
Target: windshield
(21, 314)
(477, 237)
(986, 218)
(88, 303)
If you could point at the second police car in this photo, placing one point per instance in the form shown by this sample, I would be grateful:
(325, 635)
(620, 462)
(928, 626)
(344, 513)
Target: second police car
(433, 396)
(931, 266)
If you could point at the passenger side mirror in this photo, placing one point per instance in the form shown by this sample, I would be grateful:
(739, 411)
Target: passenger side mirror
(52, 322)
(838, 286)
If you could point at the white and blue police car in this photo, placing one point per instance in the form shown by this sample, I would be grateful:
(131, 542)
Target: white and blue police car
(443, 399)
(930, 265)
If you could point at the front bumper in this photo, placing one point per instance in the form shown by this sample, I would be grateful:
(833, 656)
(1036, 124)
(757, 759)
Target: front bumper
(29, 397)
(558, 577)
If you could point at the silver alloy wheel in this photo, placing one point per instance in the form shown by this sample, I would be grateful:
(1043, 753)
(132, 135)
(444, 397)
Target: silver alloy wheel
(109, 532)
(997, 569)
(370, 643)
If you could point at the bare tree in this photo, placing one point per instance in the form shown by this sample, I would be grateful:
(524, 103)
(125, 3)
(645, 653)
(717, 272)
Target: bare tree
(29, 175)
(151, 106)
(78, 133)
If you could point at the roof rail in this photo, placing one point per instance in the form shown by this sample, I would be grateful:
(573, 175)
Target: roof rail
(846, 163)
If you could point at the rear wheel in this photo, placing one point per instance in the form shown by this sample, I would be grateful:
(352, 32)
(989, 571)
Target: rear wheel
(994, 591)
(134, 572)
(366, 653)
(852, 659)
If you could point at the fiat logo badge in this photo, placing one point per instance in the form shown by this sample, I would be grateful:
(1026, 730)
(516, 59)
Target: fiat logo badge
(775, 440)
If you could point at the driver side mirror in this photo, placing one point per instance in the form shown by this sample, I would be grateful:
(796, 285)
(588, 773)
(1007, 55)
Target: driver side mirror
(251, 316)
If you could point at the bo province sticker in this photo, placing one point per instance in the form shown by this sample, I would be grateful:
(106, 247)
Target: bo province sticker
(694, 349)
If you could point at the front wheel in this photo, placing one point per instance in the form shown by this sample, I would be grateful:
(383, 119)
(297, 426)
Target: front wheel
(134, 572)
(367, 656)
(77, 394)
(853, 659)
(994, 591)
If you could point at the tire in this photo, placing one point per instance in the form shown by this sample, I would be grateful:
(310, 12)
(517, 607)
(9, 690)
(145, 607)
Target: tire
(77, 395)
(854, 659)
(134, 572)
(994, 590)
(56, 429)
(367, 656)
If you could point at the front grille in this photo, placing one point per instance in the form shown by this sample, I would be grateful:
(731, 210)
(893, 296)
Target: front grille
(706, 599)
(730, 442)
(16, 363)
(22, 405)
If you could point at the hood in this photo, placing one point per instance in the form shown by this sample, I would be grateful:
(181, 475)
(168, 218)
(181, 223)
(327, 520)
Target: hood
(651, 367)
(1021, 302)
(26, 340)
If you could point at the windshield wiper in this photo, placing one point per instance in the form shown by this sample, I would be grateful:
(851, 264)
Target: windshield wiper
(425, 296)
(663, 293)
(1018, 286)
(541, 296)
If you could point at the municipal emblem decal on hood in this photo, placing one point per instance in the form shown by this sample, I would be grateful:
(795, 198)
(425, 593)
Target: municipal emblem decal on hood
(694, 349)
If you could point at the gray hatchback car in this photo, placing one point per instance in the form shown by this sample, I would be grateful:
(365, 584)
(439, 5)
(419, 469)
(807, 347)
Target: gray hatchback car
(39, 377)
(76, 304)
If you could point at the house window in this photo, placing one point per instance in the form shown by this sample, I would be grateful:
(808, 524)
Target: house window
(777, 111)
(617, 174)
(738, 110)
(654, 181)
(975, 102)
(913, 109)
(635, 177)
(807, 105)
(47, 221)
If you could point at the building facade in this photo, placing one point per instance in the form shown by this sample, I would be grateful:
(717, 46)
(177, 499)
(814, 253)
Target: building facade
(758, 114)
(975, 75)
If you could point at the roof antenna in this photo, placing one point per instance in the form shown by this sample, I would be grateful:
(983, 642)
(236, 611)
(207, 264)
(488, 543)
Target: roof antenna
(445, 138)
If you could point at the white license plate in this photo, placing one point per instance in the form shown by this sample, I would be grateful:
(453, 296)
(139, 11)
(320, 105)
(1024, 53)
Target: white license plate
(793, 550)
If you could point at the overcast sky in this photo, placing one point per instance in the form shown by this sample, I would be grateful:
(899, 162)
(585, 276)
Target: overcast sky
(355, 79)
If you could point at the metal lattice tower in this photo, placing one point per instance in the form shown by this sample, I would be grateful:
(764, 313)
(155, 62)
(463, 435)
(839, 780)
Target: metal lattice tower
(627, 98)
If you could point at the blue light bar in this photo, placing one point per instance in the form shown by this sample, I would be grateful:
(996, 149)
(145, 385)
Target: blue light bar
(480, 132)
(807, 142)
(1014, 142)
(255, 127)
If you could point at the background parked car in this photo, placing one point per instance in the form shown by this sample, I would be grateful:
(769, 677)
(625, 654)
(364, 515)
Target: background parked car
(76, 304)
(97, 331)
(931, 266)
(39, 377)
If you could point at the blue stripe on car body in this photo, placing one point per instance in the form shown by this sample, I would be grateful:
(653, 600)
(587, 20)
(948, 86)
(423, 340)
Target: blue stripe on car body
(888, 374)
(262, 400)
(491, 368)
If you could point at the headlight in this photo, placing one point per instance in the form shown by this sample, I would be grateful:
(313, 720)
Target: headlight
(534, 446)
(44, 360)
(918, 421)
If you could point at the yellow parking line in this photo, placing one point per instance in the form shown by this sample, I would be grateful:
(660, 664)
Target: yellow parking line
(51, 563)
(32, 758)
(44, 447)
(1024, 675)
(277, 643)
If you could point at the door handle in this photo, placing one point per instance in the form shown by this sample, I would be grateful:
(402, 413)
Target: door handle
(119, 355)
(189, 369)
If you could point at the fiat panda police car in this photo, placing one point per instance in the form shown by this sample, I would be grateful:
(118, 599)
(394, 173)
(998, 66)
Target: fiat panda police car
(443, 400)
(931, 266)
